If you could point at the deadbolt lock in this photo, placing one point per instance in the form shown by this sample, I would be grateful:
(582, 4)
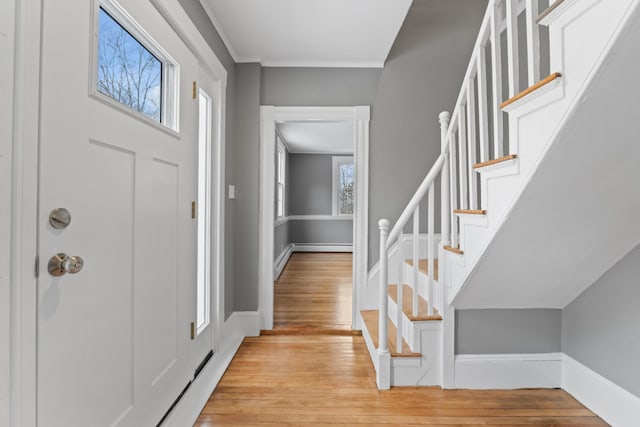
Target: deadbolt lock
(59, 218)
(60, 264)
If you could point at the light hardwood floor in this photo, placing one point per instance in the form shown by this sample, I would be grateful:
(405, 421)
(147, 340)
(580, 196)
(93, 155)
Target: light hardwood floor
(329, 380)
(310, 376)
(313, 295)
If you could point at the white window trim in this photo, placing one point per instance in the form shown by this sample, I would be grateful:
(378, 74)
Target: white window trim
(335, 180)
(170, 117)
(281, 176)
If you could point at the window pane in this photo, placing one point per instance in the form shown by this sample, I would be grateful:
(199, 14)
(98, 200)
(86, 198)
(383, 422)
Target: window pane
(204, 203)
(345, 189)
(127, 71)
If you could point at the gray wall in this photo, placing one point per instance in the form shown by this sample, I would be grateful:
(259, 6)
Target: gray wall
(281, 239)
(421, 78)
(202, 22)
(510, 331)
(310, 184)
(321, 231)
(319, 86)
(601, 328)
(247, 164)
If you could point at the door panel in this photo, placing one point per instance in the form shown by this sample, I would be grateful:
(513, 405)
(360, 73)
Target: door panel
(113, 339)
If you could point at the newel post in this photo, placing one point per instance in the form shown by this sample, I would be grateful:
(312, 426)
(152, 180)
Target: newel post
(445, 197)
(383, 347)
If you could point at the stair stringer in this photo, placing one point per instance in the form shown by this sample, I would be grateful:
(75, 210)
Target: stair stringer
(536, 121)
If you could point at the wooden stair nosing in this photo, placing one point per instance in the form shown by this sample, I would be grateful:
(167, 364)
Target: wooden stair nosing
(454, 250)
(495, 161)
(531, 89)
(548, 11)
(470, 211)
(407, 304)
(370, 318)
(423, 266)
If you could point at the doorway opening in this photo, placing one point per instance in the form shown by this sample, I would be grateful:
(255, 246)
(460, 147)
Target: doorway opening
(313, 213)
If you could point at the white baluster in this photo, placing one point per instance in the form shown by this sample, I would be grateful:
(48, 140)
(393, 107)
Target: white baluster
(483, 118)
(471, 141)
(496, 82)
(453, 185)
(400, 296)
(512, 48)
(383, 346)
(533, 42)
(430, 251)
(445, 208)
(462, 156)
(416, 259)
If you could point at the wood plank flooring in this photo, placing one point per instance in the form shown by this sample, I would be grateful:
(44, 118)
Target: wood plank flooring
(329, 380)
(306, 374)
(313, 295)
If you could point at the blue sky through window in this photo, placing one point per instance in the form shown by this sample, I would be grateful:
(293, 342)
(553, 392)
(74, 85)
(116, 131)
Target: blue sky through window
(127, 71)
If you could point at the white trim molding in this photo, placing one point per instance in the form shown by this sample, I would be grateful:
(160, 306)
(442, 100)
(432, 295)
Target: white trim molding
(322, 247)
(269, 116)
(508, 371)
(282, 260)
(608, 400)
(320, 218)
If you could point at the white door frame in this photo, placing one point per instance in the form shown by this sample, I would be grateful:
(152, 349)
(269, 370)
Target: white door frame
(269, 116)
(24, 198)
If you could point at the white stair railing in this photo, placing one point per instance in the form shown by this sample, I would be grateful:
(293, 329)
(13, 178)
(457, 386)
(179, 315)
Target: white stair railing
(473, 133)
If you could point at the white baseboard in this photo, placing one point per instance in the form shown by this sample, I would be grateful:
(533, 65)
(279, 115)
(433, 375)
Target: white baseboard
(609, 401)
(322, 247)
(281, 261)
(237, 326)
(508, 371)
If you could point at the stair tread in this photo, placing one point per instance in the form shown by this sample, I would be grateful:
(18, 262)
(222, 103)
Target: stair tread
(423, 266)
(407, 304)
(495, 161)
(470, 211)
(531, 89)
(454, 250)
(370, 318)
(549, 10)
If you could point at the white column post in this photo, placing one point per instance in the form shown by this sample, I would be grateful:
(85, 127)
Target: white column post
(383, 346)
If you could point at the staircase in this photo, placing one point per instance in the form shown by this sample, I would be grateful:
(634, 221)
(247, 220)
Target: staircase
(502, 182)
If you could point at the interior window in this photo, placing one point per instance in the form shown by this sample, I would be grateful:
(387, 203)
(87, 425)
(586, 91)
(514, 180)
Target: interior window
(280, 176)
(343, 185)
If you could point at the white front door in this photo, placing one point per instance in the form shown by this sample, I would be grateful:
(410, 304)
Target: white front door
(113, 338)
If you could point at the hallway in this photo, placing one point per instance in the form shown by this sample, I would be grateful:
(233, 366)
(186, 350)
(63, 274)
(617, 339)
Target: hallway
(313, 295)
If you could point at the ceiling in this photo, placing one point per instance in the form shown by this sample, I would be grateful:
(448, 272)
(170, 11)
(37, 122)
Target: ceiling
(317, 137)
(308, 33)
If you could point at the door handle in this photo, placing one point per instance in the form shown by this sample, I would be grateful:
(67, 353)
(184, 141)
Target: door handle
(61, 263)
